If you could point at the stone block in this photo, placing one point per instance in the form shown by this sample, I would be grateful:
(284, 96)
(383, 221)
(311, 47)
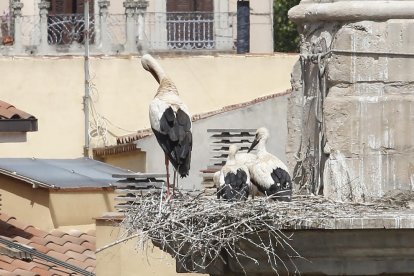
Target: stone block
(356, 125)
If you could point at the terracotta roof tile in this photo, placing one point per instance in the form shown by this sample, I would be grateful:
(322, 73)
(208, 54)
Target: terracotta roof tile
(6, 273)
(22, 272)
(41, 271)
(39, 240)
(23, 265)
(72, 239)
(56, 247)
(6, 266)
(76, 255)
(58, 255)
(89, 245)
(88, 238)
(8, 111)
(77, 263)
(76, 249)
(75, 233)
(51, 238)
(4, 217)
(13, 221)
(35, 232)
(57, 233)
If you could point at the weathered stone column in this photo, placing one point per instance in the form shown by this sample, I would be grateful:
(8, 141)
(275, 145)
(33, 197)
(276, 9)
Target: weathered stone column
(130, 13)
(17, 6)
(222, 26)
(351, 121)
(142, 42)
(104, 40)
(159, 32)
(44, 6)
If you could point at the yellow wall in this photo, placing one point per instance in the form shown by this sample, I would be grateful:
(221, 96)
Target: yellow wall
(28, 205)
(70, 208)
(52, 89)
(50, 209)
(134, 161)
(125, 260)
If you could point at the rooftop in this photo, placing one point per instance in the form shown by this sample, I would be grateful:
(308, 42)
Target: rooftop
(74, 248)
(15, 120)
(62, 173)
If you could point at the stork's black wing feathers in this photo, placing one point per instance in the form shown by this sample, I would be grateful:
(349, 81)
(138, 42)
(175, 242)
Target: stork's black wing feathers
(282, 187)
(175, 139)
(235, 187)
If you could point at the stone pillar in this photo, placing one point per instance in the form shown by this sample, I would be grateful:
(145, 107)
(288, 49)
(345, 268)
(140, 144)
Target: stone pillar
(223, 26)
(142, 41)
(16, 7)
(104, 39)
(131, 18)
(351, 121)
(159, 32)
(44, 6)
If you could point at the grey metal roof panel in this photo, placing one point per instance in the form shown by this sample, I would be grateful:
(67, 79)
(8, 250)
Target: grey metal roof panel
(61, 173)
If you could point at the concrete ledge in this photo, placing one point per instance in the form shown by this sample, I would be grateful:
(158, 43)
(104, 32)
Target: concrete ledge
(330, 252)
(352, 11)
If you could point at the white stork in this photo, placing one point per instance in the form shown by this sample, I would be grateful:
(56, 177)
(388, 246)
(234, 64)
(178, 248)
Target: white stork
(268, 172)
(170, 122)
(234, 178)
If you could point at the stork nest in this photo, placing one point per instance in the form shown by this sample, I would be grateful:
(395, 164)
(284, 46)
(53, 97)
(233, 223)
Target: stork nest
(201, 229)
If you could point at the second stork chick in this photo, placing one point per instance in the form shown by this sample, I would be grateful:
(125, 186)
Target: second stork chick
(268, 172)
(234, 182)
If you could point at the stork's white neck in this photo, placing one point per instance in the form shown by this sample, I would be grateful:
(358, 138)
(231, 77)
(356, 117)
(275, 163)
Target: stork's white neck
(261, 146)
(155, 68)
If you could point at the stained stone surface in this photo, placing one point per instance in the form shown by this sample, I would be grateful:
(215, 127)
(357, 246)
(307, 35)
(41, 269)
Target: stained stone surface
(368, 109)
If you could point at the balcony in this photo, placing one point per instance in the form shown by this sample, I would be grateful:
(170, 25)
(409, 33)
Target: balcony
(111, 34)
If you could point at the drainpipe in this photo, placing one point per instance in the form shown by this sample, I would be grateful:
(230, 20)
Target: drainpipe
(86, 98)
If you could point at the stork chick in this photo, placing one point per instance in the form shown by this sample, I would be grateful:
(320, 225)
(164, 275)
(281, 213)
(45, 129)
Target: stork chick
(234, 178)
(268, 172)
(170, 121)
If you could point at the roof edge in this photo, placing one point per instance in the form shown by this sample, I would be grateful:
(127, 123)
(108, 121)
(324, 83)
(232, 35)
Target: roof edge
(143, 133)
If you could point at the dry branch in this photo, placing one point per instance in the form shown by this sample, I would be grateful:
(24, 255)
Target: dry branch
(202, 229)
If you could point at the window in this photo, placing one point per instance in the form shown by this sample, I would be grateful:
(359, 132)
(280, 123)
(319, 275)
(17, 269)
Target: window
(66, 22)
(190, 24)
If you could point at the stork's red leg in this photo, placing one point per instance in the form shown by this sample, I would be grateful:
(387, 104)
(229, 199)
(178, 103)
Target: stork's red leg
(168, 175)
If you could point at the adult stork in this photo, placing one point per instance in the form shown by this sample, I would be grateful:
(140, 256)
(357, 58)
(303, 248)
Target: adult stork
(268, 172)
(170, 121)
(234, 183)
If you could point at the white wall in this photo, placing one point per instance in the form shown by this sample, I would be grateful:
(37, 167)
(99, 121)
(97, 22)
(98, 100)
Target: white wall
(270, 113)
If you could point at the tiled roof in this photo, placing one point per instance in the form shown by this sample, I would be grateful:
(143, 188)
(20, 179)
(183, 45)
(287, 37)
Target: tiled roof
(75, 248)
(8, 111)
(129, 138)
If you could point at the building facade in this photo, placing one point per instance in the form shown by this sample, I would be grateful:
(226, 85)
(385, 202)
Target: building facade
(38, 27)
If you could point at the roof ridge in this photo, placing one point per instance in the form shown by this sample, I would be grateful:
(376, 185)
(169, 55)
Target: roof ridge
(142, 133)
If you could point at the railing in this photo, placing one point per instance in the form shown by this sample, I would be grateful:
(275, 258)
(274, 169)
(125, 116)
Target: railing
(124, 33)
(65, 29)
(190, 31)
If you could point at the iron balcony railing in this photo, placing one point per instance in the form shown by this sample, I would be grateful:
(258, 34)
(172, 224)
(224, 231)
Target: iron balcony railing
(116, 32)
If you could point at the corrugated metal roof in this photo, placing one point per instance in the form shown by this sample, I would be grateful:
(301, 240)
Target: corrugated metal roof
(61, 173)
